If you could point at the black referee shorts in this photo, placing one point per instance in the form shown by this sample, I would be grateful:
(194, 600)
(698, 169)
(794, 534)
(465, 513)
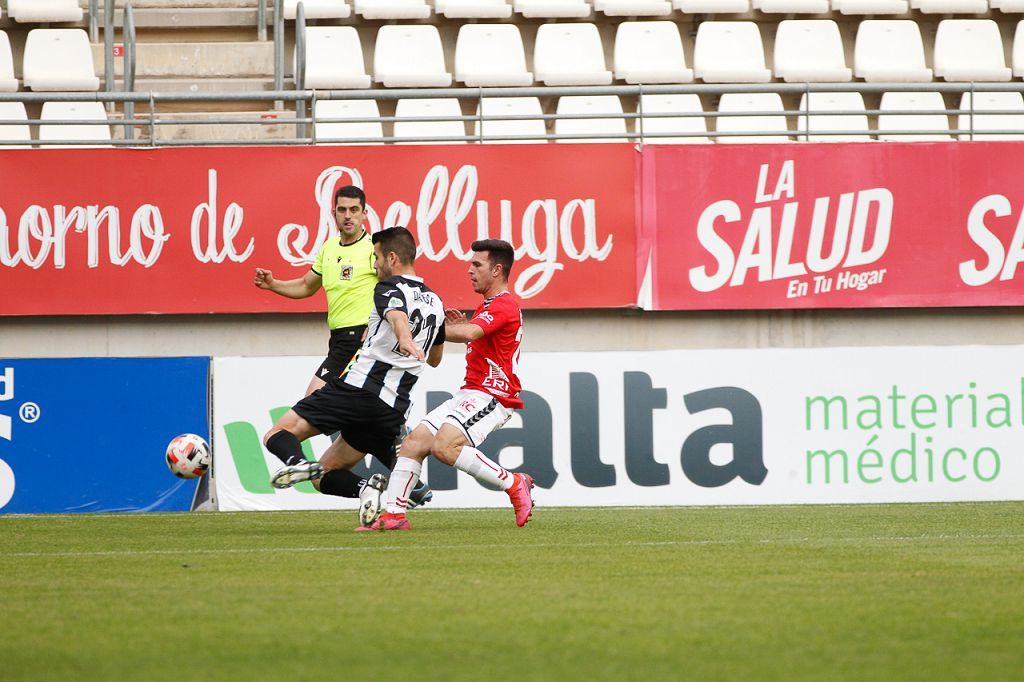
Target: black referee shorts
(344, 343)
(364, 420)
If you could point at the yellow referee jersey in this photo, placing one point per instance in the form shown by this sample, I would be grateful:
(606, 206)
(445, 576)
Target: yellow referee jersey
(348, 280)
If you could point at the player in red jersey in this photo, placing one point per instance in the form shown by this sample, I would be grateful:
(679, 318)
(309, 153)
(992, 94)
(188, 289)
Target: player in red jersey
(453, 431)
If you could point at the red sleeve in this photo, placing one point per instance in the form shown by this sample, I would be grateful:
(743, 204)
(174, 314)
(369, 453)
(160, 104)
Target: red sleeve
(495, 316)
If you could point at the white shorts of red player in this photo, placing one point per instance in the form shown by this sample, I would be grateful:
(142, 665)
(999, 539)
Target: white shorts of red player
(475, 413)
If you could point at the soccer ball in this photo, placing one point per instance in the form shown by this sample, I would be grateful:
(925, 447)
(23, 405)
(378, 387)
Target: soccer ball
(188, 456)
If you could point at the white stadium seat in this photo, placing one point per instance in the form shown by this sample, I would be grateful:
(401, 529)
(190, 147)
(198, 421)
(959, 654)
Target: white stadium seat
(633, 8)
(791, 6)
(591, 105)
(890, 50)
(809, 51)
(712, 6)
(913, 101)
(392, 9)
(317, 9)
(1008, 6)
(409, 56)
(74, 111)
(650, 52)
(950, 6)
(491, 55)
(334, 58)
(448, 107)
(729, 52)
(766, 116)
(43, 11)
(676, 125)
(1012, 123)
(552, 9)
(8, 83)
(473, 9)
(859, 7)
(354, 132)
(13, 134)
(835, 124)
(1018, 50)
(510, 106)
(59, 59)
(569, 54)
(970, 50)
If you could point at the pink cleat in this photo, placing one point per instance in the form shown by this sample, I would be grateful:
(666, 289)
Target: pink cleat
(387, 521)
(522, 502)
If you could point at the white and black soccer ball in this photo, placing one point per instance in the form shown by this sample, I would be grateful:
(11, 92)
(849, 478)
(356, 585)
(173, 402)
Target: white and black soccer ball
(188, 456)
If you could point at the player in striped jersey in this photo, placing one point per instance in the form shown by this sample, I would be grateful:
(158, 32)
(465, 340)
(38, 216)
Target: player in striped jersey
(453, 431)
(369, 401)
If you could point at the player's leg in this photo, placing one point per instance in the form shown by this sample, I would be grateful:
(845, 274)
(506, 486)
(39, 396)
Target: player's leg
(473, 416)
(408, 467)
(284, 440)
(315, 383)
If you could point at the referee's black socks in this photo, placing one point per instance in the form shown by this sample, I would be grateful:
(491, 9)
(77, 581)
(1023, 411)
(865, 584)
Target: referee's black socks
(341, 482)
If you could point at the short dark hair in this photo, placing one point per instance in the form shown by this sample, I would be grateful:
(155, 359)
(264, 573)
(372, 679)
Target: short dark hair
(350, 192)
(499, 252)
(399, 241)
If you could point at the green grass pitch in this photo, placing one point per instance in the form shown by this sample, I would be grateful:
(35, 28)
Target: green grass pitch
(872, 592)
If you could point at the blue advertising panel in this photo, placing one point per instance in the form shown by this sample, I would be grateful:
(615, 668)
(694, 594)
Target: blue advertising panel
(89, 434)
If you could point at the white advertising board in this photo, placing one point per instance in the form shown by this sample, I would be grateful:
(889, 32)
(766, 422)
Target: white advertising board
(786, 426)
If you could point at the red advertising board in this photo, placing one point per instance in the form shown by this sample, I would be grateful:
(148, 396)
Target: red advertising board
(98, 231)
(832, 225)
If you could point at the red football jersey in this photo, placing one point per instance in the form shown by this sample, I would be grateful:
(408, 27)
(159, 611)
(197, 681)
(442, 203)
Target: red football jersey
(493, 359)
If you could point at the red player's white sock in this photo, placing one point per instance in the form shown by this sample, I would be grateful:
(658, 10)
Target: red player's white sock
(482, 468)
(403, 480)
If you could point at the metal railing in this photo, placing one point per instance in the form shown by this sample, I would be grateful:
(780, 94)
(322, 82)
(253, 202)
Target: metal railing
(304, 131)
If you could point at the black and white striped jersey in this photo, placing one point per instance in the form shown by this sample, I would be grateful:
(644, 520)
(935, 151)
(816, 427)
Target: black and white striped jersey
(378, 367)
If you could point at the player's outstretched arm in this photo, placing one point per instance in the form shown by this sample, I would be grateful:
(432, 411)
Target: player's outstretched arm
(399, 322)
(434, 356)
(300, 287)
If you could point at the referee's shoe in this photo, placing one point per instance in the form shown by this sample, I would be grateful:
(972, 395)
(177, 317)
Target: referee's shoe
(297, 473)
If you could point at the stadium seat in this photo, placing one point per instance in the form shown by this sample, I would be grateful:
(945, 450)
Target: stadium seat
(408, 56)
(491, 55)
(13, 134)
(729, 52)
(569, 54)
(59, 59)
(8, 83)
(767, 116)
(591, 105)
(1011, 123)
(633, 8)
(970, 50)
(362, 132)
(334, 58)
(712, 6)
(813, 122)
(791, 6)
(677, 125)
(810, 51)
(1008, 6)
(950, 6)
(912, 101)
(74, 111)
(317, 9)
(392, 9)
(473, 9)
(1018, 50)
(650, 52)
(43, 11)
(890, 50)
(859, 7)
(448, 107)
(552, 9)
(510, 106)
